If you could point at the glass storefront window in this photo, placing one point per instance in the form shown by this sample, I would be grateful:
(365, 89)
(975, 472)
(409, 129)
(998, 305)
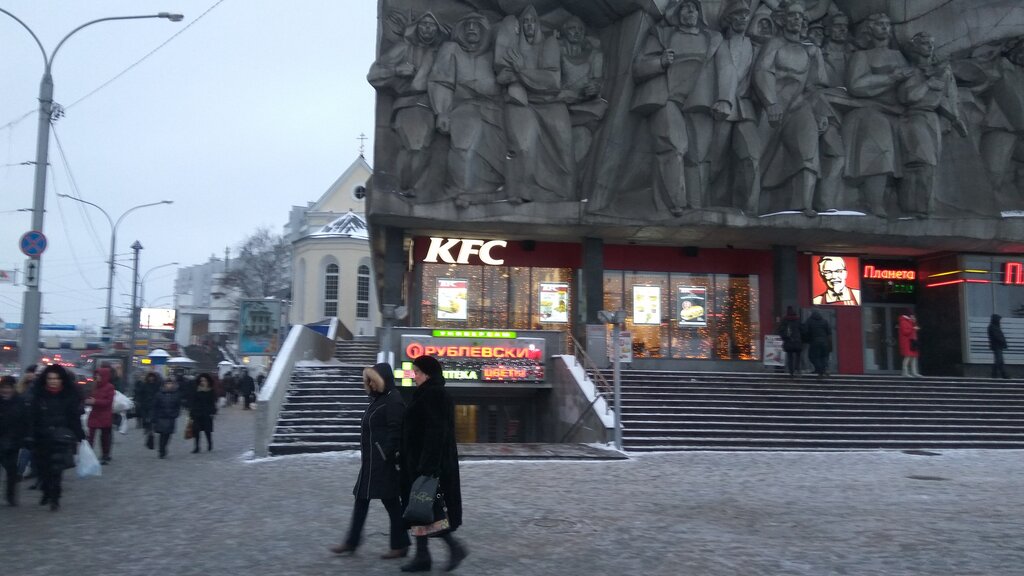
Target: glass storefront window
(702, 316)
(496, 296)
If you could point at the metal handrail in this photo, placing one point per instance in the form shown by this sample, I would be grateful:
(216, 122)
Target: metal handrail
(601, 386)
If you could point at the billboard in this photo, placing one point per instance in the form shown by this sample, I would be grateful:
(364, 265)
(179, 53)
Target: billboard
(693, 305)
(157, 319)
(259, 327)
(477, 356)
(835, 281)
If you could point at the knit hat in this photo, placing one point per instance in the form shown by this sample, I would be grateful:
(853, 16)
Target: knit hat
(428, 365)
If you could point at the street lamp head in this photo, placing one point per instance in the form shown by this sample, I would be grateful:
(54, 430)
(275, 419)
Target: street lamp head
(167, 201)
(171, 17)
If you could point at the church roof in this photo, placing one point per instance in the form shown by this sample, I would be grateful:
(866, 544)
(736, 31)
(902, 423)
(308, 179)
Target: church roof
(348, 225)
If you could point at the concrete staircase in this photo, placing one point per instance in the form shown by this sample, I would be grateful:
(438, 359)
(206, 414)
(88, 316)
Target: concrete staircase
(360, 351)
(734, 411)
(322, 411)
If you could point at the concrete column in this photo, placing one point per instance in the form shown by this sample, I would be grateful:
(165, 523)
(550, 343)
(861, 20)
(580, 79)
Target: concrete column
(593, 278)
(785, 279)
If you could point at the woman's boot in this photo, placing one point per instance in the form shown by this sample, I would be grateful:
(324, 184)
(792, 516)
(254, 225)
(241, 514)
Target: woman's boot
(457, 551)
(421, 561)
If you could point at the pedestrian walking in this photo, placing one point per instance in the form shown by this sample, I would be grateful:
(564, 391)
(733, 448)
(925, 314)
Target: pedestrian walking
(997, 343)
(819, 335)
(247, 389)
(202, 410)
(13, 430)
(165, 411)
(24, 390)
(379, 477)
(791, 332)
(909, 345)
(145, 392)
(231, 388)
(429, 449)
(101, 418)
(56, 430)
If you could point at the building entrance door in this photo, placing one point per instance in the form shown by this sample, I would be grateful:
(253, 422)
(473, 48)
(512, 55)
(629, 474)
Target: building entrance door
(881, 338)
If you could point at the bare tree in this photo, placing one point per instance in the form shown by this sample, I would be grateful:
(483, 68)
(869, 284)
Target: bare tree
(261, 267)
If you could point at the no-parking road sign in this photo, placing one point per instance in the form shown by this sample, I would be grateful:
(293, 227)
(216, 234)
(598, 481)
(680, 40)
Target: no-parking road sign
(33, 243)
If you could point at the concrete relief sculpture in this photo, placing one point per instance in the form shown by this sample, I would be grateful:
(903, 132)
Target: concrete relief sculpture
(787, 77)
(737, 141)
(1002, 91)
(931, 100)
(537, 125)
(467, 100)
(677, 85)
(582, 77)
(837, 49)
(403, 70)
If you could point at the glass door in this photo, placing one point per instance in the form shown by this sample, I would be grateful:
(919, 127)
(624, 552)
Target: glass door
(881, 338)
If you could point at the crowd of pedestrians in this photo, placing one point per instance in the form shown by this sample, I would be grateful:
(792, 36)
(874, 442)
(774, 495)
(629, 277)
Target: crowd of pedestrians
(45, 416)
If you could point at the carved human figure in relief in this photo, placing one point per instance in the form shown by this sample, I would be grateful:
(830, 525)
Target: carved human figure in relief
(582, 76)
(787, 77)
(737, 142)
(930, 96)
(467, 99)
(836, 49)
(403, 70)
(537, 124)
(1003, 124)
(677, 85)
(870, 132)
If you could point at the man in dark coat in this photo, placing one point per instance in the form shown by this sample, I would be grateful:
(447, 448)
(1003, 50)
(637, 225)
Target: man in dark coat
(380, 438)
(56, 429)
(819, 334)
(145, 391)
(997, 343)
(13, 430)
(791, 331)
(165, 411)
(429, 449)
(247, 388)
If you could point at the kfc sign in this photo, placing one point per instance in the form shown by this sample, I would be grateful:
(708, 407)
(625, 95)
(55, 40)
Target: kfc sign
(442, 250)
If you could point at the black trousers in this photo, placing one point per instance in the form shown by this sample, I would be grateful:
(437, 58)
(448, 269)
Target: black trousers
(793, 362)
(399, 536)
(998, 367)
(9, 462)
(49, 464)
(164, 439)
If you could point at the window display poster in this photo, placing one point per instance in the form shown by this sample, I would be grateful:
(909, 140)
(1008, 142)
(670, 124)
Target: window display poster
(774, 355)
(646, 305)
(452, 299)
(554, 302)
(693, 302)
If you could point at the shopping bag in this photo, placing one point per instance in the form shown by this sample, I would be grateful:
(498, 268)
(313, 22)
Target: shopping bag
(420, 509)
(88, 464)
(189, 434)
(122, 403)
(123, 427)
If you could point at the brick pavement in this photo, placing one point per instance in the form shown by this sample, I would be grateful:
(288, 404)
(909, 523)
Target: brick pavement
(699, 513)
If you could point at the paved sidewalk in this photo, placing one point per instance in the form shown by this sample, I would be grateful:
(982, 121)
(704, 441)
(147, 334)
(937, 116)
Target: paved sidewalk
(695, 513)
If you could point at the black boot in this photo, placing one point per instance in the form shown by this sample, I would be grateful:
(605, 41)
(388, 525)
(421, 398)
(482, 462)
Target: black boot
(420, 562)
(54, 505)
(44, 500)
(457, 552)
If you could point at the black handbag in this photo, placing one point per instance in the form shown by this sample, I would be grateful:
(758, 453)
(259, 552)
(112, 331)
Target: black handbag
(62, 436)
(420, 509)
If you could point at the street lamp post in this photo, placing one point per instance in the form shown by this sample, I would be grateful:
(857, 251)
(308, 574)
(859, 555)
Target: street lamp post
(136, 247)
(142, 285)
(29, 347)
(113, 243)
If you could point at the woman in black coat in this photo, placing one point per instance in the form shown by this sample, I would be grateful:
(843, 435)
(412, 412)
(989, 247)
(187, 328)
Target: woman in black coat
(165, 411)
(56, 414)
(204, 406)
(380, 437)
(429, 449)
(819, 334)
(791, 331)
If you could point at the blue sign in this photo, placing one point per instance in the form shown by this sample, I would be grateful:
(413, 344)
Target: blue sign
(17, 326)
(33, 243)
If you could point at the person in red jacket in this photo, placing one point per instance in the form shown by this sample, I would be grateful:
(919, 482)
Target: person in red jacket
(102, 416)
(909, 348)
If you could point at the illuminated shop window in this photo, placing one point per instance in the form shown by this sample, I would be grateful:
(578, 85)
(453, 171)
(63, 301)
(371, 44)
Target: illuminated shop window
(496, 296)
(700, 316)
(331, 291)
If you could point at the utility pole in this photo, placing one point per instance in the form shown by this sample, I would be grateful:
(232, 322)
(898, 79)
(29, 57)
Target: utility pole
(136, 247)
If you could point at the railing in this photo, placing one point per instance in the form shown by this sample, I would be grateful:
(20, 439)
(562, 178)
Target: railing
(601, 385)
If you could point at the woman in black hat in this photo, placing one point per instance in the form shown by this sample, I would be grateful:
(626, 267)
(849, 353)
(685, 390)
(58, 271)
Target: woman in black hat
(380, 437)
(429, 449)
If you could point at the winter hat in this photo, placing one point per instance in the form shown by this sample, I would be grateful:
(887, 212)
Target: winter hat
(428, 365)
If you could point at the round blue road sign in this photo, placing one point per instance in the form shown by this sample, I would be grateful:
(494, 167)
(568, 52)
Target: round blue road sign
(33, 243)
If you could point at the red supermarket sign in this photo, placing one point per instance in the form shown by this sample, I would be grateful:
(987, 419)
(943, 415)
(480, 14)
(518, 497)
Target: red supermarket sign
(484, 359)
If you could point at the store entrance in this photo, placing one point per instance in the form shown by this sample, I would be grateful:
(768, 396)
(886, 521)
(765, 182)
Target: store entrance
(491, 423)
(881, 337)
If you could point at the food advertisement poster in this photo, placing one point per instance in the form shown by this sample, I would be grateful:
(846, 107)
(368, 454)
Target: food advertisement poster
(452, 299)
(646, 305)
(554, 302)
(693, 302)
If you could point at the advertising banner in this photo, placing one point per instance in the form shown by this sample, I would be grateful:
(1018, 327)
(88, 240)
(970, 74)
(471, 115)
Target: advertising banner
(835, 281)
(260, 326)
(624, 349)
(505, 358)
(452, 299)
(693, 302)
(156, 319)
(773, 352)
(646, 305)
(554, 303)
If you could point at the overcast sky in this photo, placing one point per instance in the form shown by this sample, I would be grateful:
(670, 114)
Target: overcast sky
(256, 106)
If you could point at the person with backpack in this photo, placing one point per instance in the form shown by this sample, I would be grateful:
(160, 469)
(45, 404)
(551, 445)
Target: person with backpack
(791, 332)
